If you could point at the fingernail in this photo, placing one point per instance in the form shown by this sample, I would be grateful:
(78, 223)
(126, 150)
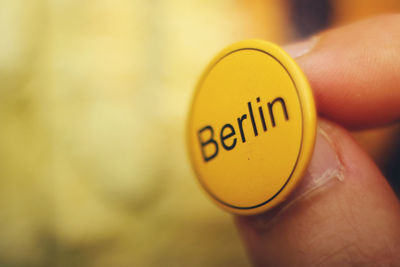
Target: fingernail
(301, 48)
(324, 167)
(324, 170)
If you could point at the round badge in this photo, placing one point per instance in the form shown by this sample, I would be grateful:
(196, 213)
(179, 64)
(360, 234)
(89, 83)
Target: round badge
(251, 128)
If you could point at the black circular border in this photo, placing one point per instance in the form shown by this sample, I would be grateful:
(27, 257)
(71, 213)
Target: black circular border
(302, 131)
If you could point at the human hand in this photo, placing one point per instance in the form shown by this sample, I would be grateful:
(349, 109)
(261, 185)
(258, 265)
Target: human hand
(344, 212)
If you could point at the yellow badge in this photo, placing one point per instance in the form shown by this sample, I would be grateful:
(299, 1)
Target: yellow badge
(252, 126)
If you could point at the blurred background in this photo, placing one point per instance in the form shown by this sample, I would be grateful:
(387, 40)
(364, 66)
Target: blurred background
(93, 102)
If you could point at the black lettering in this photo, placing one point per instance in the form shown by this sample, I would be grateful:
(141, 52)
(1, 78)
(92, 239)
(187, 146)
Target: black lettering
(230, 134)
(253, 122)
(210, 141)
(271, 113)
(240, 120)
(260, 110)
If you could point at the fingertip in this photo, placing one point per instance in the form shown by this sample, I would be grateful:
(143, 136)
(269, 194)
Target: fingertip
(353, 71)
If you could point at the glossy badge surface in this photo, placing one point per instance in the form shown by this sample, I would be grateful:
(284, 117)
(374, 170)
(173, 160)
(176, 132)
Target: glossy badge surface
(251, 127)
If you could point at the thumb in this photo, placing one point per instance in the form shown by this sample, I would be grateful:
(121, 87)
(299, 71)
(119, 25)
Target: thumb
(344, 212)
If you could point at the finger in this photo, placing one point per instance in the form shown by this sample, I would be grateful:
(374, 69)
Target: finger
(348, 221)
(355, 71)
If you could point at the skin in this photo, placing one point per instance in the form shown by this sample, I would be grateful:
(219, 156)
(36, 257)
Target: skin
(355, 74)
